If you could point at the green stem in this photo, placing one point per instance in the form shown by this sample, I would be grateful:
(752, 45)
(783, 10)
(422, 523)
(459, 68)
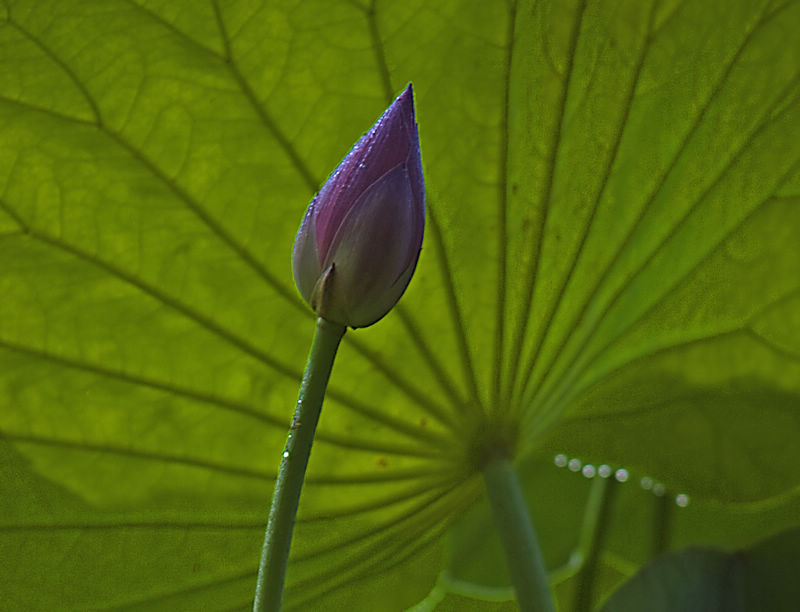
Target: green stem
(278, 539)
(601, 497)
(662, 523)
(525, 563)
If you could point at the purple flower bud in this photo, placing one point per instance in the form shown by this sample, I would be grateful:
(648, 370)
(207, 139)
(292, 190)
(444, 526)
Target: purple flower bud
(360, 239)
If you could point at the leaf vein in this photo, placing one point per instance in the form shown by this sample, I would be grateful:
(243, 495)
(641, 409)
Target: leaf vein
(455, 309)
(495, 403)
(411, 391)
(137, 453)
(215, 328)
(63, 66)
(587, 228)
(546, 201)
(380, 52)
(139, 380)
(173, 29)
(413, 331)
(646, 206)
(684, 278)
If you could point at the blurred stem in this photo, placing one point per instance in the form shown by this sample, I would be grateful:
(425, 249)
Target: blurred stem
(601, 497)
(662, 523)
(525, 563)
(285, 499)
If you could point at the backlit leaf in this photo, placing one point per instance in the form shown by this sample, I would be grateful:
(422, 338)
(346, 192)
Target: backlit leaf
(611, 270)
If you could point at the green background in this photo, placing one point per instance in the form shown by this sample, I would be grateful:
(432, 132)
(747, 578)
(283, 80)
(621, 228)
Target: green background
(611, 270)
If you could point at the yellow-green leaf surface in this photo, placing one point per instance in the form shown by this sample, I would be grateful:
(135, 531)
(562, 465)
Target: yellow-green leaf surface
(611, 269)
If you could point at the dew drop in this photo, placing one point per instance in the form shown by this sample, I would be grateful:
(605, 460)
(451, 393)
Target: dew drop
(604, 471)
(285, 454)
(646, 482)
(560, 460)
(588, 471)
(659, 489)
(682, 500)
(621, 475)
(574, 465)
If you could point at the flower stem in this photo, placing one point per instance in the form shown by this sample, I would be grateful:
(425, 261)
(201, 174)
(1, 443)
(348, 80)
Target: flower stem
(525, 563)
(285, 500)
(601, 498)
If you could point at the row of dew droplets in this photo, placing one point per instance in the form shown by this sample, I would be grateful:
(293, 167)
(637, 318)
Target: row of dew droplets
(620, 475)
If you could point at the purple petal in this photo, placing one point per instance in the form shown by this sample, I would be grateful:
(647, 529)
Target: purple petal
(388, 144)
(375, 250)
(305, 260)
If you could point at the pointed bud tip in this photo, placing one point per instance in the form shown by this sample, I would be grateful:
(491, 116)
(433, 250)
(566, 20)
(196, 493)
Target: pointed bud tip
(406, 98)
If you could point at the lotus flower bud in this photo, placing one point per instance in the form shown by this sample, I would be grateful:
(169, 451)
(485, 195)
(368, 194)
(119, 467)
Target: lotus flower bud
(361, 236)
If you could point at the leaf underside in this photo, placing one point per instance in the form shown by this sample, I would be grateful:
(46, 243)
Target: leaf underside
(611, 270)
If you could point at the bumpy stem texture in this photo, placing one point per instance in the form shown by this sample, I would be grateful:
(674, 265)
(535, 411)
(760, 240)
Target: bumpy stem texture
(285, 500)
(525, 563)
